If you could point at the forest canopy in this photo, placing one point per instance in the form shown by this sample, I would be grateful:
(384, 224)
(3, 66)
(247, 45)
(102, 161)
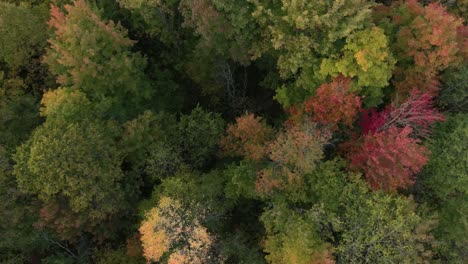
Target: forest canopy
(246, 131)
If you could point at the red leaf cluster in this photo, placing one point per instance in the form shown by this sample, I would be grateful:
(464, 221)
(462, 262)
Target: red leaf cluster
(417, 112)
(390, 158)
(334, 103)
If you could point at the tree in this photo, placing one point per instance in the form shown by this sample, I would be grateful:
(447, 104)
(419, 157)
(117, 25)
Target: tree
(446, 181)
(19, 46)
(198, 136)
(367, 58)
(294, 153)
(94, 57)
(381, 228)
(289, 32)
(175, 233)
(427, 42)
(66, 105)
(225, 28)
(417, 112)
(17, 215)
(241, 180)
(248, 137)
(453, 91)
(23, 37)
(18, 112)
(390, 158)
(298, 148)
(334, 103)
(293, 236)
(160, 18)
(75, 171)
(149, 143)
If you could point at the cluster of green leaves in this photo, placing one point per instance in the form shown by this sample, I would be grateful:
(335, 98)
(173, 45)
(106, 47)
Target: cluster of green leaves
(445, 176)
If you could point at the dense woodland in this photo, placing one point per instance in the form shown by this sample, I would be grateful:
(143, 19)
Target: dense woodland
(233, 131)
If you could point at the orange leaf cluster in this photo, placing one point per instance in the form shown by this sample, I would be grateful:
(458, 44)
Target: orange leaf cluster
(170, 228)
(334, 103)
(294, 153)
(248, 137)
(433, 39)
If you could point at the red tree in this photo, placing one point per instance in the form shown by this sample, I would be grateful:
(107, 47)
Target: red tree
(390, 158)
(417, 111)
(334, 103)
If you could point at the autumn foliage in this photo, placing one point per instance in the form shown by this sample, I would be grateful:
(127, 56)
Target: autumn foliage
(247, 137)
(293, 153)
(334, 103)
(119, 142)
(171, 229)
(94, 56)
(390, 158)
(417, 112)
(428, 41)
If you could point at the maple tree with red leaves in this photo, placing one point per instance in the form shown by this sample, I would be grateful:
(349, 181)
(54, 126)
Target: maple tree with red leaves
(390, 158)
(334, 103)
(417, 111)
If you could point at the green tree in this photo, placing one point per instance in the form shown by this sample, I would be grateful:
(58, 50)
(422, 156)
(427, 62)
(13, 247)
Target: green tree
(447, 182)
(226, 28)
(29, 37)
(293, 236)
(303, 33)
(381, 228)
(366, 57)
(23, 37)
(454, 94)
(95, 57)
(198, 136)
(18, 112)
(75, 170)
(17, 215)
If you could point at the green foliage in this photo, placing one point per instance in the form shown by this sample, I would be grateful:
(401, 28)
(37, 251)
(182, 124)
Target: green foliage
(381, 228)
(454, 93)
(241, 180)
(321, 184)
(198, 136)
(16, 215)
(238, 250)
(289, 28)
(66, 105)
(147, 139)
(76, 165)
(293, 236)
(28, 38)
(366, 57)
(226, 28)
(18, 112)
(445, 176)
(114, 256)
(160, 18)
(94, 57)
